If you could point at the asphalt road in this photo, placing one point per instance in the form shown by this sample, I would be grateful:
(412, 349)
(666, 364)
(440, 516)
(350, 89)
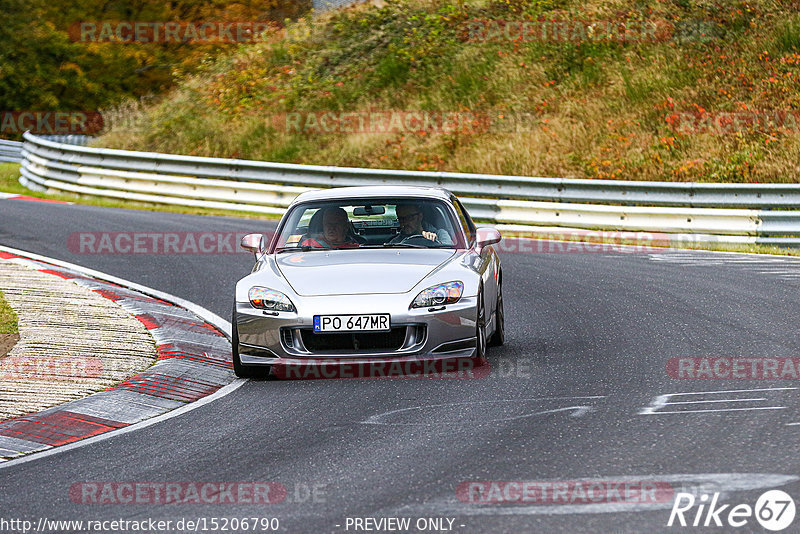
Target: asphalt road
(588, 339)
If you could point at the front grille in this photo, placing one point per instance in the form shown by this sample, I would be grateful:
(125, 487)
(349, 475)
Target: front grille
(287, 337)
(354, 341)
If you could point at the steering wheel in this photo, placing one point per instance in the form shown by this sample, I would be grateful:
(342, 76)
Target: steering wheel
(416, 237)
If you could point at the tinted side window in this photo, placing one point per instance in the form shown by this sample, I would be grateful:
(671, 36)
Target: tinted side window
(466, 221)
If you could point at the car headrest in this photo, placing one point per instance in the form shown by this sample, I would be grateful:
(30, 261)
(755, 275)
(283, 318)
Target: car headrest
(315, 223)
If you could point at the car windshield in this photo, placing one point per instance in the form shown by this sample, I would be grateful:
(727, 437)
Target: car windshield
(374, 223)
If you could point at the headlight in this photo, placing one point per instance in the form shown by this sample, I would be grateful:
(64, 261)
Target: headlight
(269, 299)
(439, 295)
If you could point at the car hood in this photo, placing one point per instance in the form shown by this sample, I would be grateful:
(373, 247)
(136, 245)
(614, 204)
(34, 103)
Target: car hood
(359, 271)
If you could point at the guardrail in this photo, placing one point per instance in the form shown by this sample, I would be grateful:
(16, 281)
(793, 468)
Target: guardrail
(10, 151)
(725, 213)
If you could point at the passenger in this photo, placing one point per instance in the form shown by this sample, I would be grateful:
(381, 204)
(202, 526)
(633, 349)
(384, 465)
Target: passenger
(412, 223)
(335, 231)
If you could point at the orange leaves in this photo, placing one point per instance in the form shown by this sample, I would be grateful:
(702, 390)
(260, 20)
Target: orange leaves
(668, 142)
(667, 103)
(690, 169)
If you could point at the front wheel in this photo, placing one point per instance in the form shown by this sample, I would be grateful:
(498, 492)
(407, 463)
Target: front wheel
(499, 336)
(239, 369)
(480, 329)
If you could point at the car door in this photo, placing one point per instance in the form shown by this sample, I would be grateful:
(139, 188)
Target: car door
(488, 264)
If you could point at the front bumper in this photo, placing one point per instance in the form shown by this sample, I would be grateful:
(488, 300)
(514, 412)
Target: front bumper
(268, 338)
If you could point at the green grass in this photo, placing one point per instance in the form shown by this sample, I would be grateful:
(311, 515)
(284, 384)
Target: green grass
(8, 319)
(9, 179)
(788, 35)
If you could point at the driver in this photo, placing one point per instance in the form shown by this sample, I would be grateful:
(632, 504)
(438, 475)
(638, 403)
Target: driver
(335, 230)
(412, 223)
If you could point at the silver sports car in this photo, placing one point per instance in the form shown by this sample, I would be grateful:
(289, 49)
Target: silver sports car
(369, 274)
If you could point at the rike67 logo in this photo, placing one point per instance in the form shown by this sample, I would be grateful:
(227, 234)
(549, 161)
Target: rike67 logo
(774, 510)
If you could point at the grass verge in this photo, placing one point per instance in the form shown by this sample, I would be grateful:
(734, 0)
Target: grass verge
(8, 319)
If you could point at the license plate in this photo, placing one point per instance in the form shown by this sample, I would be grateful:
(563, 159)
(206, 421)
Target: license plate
(352, 323)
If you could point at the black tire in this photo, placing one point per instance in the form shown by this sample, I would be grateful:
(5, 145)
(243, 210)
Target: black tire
(239, 369)
(499, 336)
(480, 329)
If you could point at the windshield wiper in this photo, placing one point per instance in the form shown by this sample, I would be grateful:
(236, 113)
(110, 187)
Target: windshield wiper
(300, 248)
(403, 245)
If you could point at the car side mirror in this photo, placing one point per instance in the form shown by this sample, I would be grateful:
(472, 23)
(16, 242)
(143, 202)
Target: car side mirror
(253, 243)
(486, 237)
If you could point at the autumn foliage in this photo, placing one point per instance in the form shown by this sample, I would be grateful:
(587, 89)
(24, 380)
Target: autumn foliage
(43, 67)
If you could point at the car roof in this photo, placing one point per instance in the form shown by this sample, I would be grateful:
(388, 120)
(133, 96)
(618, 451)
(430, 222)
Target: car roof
(373, 191)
